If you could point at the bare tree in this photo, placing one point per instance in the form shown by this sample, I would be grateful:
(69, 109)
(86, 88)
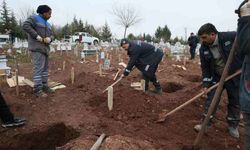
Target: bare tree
(25, 13)
(126, 16)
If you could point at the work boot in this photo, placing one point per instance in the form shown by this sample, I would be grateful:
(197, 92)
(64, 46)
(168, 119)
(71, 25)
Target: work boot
(41, 94)
(16, 122)
(197, 127)
(158, 88)
(233, 131)
(47, 89)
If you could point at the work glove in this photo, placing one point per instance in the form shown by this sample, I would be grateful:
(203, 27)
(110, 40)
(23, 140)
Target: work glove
(126, 72)
(39, 38)
(47, 40)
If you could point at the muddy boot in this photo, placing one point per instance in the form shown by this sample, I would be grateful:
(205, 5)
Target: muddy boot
(197, 127)
(41, 94)
(158, 88)
(233, 131)
(47, 89)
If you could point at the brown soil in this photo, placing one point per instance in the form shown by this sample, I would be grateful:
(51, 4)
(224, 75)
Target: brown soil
(74, 117)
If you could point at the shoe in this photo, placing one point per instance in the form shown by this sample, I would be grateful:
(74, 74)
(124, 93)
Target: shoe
(47, 89)
(197, 127)
(234, 132)
(41, 94)
(17, 122)
(158, 91)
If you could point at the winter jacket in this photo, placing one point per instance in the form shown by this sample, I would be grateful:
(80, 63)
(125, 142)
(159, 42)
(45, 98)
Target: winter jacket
(193, 41)
(243, 35)
(209, 74)
(243, 40)
(34, 26)
(143, 55)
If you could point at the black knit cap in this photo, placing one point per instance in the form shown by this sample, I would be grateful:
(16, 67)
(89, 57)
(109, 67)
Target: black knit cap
(124, 41)
(43, 9)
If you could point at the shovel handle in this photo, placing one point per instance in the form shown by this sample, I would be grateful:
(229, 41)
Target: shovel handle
(163, 116)
(113, 83)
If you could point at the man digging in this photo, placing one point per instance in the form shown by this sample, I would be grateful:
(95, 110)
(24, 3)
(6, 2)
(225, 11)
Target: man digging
(144, 57)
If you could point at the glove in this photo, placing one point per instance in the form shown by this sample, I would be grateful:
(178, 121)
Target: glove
(126, 72)
(39, 38)
(47, 40)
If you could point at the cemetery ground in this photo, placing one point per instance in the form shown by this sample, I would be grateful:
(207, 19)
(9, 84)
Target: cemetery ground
(74, 117)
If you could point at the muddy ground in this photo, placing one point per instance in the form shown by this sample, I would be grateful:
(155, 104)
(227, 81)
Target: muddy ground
(72, 118)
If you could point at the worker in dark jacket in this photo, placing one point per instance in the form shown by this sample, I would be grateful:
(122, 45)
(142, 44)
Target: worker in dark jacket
(146, 58)
(7, 117)
(192, 42)
(39, 38)
(243, 40)
(214, 53)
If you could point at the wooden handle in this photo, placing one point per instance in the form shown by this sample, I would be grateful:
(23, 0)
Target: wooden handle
(163, 116)
(113, 84)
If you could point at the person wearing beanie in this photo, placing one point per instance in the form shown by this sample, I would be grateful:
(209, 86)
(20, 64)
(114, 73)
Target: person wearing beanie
(39, 38)
(144, 57)
(243, 41)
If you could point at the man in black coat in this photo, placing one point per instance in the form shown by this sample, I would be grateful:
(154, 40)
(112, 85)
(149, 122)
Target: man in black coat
(144, 57)
(243, 41)
(192, 42)
(214, 53)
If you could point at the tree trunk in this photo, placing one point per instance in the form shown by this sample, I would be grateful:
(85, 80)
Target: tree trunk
(125, 33)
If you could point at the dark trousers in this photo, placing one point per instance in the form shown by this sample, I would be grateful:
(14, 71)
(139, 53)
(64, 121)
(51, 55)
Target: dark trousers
(149, 75)
(233, 107)
(192, 52)
(247, 131)
(5, 113)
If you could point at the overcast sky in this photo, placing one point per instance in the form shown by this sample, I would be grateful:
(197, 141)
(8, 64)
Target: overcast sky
(177, 14)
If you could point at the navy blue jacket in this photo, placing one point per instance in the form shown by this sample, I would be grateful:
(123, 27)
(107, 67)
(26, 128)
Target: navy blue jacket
(209, 74)
(142, 54)
(243, 35)
(193, 41)
(243, 40)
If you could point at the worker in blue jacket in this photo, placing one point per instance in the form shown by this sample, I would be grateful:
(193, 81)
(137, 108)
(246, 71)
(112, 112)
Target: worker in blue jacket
(146, 58)
(214, 53)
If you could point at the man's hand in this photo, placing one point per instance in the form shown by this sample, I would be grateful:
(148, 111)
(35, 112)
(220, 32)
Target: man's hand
(47, 40)
(39, 38)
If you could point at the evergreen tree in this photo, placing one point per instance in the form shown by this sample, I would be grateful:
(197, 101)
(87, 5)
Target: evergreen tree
(131, 36)
(106, 33)
(166, 34)
(148, 38)
(163, 33)
(5, 20)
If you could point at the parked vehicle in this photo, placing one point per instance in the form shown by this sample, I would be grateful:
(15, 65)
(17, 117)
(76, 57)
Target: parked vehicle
(84, 37)
(4, 39)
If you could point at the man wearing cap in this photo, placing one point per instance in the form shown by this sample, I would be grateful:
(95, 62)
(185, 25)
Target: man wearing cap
(144, 57)
(243, 40)
(39, 38)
